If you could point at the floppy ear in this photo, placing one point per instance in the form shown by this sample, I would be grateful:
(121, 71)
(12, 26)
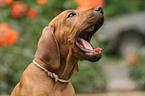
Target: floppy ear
(48, 49)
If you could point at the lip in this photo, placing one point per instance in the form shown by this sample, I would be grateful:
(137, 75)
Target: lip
(82, 42)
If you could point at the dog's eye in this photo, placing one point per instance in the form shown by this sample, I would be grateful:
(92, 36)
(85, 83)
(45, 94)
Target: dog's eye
(71, 15)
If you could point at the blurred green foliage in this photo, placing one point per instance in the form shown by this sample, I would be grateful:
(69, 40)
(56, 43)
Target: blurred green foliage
(15, 58)
(120, 7)
(90, 78)
(137, 70)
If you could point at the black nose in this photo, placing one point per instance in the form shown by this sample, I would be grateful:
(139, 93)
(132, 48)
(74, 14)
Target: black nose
(98, 9)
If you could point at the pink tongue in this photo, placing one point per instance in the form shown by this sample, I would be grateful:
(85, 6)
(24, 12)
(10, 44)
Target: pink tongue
(98, 50)
(87, 45)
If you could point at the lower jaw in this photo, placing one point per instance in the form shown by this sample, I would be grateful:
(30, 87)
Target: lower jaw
(92, 57)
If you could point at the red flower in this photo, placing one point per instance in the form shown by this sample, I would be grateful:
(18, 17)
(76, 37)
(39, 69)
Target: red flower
(19, 8)
(41, 2)
(3, 29)
(5, 2)
(87, 4)
(32, 12)
(11, 36)
(132, 58)
(7, 35)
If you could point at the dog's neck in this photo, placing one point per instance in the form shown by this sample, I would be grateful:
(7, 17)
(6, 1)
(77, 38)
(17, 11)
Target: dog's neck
(64, 71)
(67, 62)
(67, 68)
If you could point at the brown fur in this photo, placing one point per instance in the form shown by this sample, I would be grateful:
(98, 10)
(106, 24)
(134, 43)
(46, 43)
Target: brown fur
(57, 53)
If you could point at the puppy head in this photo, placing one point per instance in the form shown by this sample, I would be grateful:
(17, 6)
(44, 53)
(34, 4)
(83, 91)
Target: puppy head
(70, 30)
(75, 28)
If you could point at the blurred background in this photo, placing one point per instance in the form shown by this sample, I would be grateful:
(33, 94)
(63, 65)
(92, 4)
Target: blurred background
(121, 71)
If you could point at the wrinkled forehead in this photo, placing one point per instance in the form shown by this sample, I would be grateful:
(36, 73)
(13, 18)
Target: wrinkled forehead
(62, 16)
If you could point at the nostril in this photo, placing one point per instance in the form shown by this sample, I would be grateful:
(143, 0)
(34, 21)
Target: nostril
(100, 9)
(97, 8)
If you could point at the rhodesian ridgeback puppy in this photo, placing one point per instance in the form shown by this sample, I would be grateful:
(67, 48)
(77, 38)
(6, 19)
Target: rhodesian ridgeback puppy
(65, 41)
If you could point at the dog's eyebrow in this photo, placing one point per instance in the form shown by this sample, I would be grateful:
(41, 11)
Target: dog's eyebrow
(72, 11)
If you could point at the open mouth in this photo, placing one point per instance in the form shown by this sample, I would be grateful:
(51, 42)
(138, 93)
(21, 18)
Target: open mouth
(83, 42)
